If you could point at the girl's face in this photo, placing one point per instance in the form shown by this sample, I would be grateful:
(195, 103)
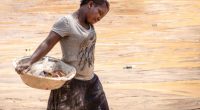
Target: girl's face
(96, 12)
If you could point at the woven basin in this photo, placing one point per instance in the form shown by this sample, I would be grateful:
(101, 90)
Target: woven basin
(39, 81)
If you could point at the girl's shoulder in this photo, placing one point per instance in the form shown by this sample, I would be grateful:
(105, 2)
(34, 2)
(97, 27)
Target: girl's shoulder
(65, 18)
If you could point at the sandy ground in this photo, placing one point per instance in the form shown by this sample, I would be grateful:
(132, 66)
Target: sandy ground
(158, 40)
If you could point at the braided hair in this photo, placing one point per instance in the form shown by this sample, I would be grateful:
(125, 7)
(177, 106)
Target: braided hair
(97, 2)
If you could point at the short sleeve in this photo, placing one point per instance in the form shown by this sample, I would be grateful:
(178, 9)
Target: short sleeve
(61, 27)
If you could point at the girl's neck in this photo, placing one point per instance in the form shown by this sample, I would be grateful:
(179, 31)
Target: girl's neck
(81, 17)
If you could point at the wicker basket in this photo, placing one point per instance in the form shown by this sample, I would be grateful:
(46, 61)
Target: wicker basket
(42, 82)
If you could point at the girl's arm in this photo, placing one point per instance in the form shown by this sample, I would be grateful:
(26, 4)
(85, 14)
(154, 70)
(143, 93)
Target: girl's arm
(41, 51)
(45, 47)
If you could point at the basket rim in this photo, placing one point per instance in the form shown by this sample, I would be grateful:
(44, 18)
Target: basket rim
(15, 61)
(50, 78)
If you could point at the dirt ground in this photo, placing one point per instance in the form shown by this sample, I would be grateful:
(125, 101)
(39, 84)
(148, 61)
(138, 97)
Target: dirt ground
(147, 52)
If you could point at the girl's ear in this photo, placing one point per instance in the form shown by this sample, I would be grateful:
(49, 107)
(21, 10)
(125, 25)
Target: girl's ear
(90, 4)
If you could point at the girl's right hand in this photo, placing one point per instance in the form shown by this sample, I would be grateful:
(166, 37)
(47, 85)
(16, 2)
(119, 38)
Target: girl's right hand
(23, 68)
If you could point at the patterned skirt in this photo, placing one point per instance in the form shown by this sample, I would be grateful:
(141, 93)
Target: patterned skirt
(79, 95)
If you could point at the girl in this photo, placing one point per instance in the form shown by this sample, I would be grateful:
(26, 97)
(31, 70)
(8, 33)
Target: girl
(77, 38)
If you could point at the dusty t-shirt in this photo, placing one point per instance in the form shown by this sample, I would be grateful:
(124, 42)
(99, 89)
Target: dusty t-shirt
(77, 45)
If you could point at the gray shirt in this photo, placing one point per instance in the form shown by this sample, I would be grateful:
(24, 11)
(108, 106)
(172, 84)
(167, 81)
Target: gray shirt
(77, 44)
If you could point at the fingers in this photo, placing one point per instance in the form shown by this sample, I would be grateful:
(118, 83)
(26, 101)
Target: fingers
(22, 69)
(27, 69)
(18, 70)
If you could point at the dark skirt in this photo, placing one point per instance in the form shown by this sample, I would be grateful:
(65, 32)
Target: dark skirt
(79, 95)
